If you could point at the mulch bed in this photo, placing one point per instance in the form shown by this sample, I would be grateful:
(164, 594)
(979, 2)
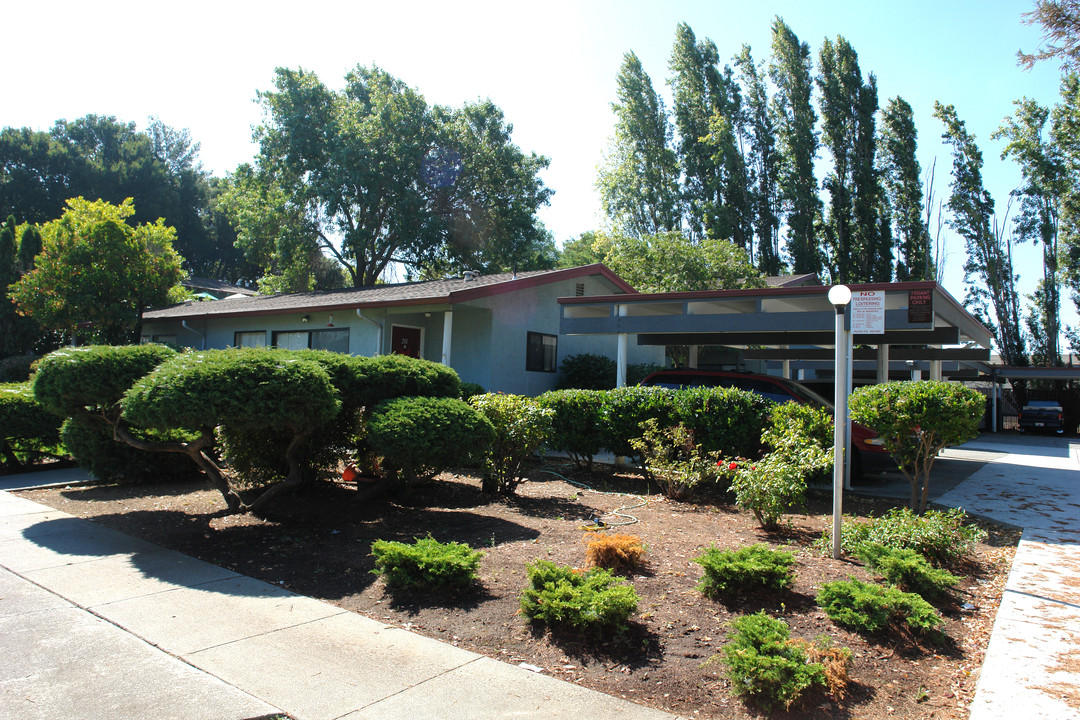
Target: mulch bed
(317, 543)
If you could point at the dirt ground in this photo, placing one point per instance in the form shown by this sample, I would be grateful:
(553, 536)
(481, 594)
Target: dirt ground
(317, 543)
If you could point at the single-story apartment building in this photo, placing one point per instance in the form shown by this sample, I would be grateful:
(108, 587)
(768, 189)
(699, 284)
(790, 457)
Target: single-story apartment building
(499, 331)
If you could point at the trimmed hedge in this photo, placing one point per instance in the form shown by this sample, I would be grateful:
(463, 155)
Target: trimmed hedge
(576, 424)
(423, 436)
(240, 388)
(70, 380)
(724, 420)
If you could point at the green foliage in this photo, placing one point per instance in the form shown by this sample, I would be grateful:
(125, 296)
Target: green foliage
(908, 570)
(424, 436)
(386, 377)
(426, 564)
(989, 274)
(92, 445)
(96, 272)
(241, 388)
(724, 420)
(587, 371)
(442, 187)
(576, 424)
(942, 536)
(590, 600)
(915, 421)
(671, 262)
(625, 408)
(673, 460)
(797, 143)
(468, 389)
(746, 569)
(871, 609)
(26, 428)
(521, 425)
(764, 666)
(793, 425)
(769, 487)
(639, 177)
(70, 381)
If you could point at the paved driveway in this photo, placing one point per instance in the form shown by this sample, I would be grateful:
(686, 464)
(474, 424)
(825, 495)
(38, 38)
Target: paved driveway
(1032, 666)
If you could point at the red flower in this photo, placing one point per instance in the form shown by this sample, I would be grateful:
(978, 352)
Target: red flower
(732, 466)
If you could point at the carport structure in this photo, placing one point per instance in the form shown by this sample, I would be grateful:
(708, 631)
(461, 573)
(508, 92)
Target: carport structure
(924, 328)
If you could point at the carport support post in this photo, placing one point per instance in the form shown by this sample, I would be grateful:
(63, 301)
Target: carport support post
(839, 297)
(620, 364)
(882, 363)
(447, 330)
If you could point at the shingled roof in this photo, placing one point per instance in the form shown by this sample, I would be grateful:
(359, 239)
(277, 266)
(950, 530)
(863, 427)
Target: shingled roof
(449, 290)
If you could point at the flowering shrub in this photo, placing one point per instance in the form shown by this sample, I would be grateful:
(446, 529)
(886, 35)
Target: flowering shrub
(776, 482)
(521, 425)
(674, 460)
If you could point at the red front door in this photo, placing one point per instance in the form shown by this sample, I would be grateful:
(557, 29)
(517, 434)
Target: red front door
(405, 341)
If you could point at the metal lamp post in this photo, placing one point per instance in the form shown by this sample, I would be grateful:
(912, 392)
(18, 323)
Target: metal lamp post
(839, 297)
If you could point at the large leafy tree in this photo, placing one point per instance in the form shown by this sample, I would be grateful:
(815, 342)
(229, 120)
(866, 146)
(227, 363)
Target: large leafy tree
(96, 272)
(376, 176)
(988, 269)
(901, 176)
(99, 156)
(795, 120)
(639, 178)
(671, 262)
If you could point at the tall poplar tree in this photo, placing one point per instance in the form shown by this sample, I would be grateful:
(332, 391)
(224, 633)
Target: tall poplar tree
(763, 191)
(848, 106)
(902, 181)
(639, 178)
(794, 119)
(1041, 196)
(988, 269)
(709, 123)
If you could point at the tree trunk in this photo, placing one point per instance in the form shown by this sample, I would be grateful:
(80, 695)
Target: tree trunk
(193, 450)
(290, 483)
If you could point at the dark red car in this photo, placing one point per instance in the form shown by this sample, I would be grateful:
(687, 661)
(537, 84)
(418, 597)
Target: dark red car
(777, 389)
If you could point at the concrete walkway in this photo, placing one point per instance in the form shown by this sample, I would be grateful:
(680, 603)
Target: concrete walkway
(1032, 665)
(96, 624)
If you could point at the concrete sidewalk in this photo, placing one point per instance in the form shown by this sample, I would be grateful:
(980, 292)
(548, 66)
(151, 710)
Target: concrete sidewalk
(1032, 665)
(96, 624)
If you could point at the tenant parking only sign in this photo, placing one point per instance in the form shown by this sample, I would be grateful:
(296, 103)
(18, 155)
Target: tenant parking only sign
(868, 312)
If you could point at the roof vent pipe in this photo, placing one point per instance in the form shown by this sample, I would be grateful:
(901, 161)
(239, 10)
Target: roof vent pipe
(470, 275)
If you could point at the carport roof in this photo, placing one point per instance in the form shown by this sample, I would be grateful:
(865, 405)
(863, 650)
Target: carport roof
(775, 316)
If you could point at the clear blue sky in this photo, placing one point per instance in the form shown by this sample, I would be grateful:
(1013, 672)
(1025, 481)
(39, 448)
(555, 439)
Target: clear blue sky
(550, 66)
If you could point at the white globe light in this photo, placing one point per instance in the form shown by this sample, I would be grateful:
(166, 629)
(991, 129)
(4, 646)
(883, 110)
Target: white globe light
(839, 295)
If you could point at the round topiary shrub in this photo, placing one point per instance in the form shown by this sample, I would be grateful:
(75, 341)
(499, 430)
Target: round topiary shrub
(420, 436)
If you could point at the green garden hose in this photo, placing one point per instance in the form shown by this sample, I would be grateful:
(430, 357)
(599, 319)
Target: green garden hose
(598, 523)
